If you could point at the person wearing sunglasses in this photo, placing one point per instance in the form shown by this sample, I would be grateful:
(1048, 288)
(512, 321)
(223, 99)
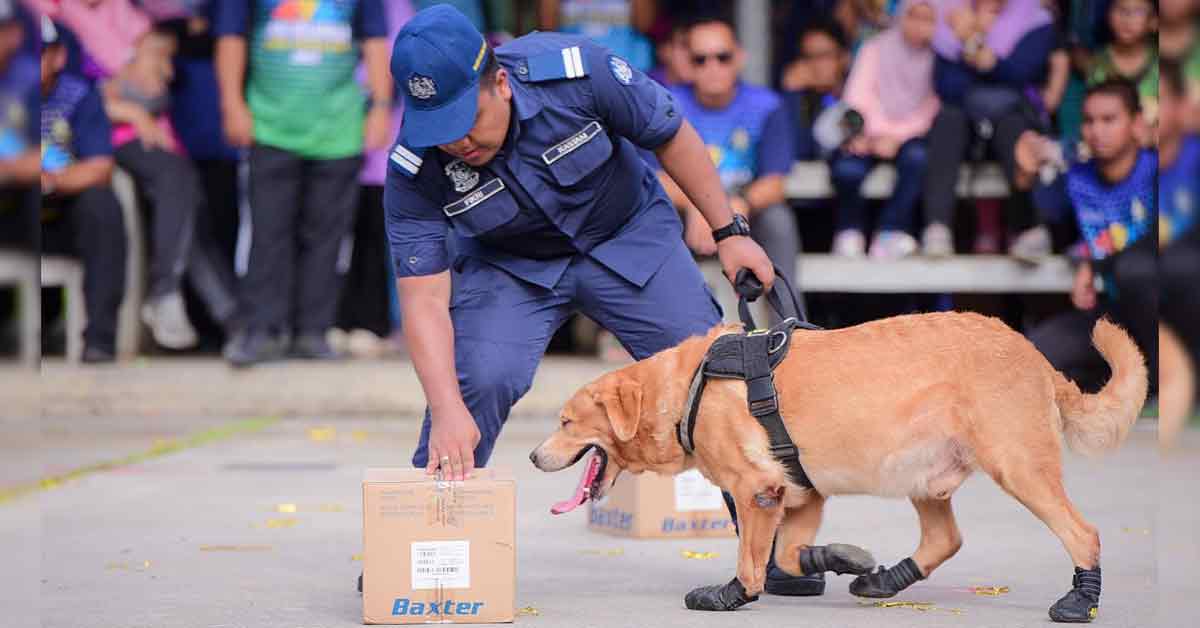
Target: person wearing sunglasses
(749, 139)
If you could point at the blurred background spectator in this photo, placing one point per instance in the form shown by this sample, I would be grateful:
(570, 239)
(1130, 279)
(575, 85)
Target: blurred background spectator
(81, 215)
(20, 160)
(990, 53)
(891, 87)
(749, 138)
(621, 25)
(1114, 196)
(818, 77)
(305, 122)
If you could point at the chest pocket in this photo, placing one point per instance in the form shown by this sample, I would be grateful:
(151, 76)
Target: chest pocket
(578, 156)
(489, 206)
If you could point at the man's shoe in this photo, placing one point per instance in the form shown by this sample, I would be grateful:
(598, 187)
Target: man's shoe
(779, 582)
(166, 316)
(1032, 245)
(313, 347)
(98, 355)
(250, 348)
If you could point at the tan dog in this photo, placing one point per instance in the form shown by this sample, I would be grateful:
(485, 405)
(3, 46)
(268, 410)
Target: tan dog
(901, 407)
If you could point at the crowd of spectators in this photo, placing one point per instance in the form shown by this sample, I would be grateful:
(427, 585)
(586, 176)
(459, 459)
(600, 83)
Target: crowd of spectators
(256, 132)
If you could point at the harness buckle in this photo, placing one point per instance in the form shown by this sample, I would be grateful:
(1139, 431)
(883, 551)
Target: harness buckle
(784, 451)
(763, 407)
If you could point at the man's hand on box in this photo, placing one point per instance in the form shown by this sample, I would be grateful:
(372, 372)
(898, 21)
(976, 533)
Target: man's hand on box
(453, 436)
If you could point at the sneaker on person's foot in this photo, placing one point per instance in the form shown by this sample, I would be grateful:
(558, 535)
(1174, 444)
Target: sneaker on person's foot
(313, 347)
(937, 240)
(249, 348)
(166, 316)
(1033, 245)
(850, 243)
(93, 354)
(893, 244)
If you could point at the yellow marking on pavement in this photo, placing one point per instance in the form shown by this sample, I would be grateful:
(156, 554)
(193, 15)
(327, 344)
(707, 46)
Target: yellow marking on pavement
(235, 548)
(159, 449)
(283, 522)
(990, 591)
(322, 434)
(698, 555)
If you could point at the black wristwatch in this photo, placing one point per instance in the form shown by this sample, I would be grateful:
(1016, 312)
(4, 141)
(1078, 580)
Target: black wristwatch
(739, 227)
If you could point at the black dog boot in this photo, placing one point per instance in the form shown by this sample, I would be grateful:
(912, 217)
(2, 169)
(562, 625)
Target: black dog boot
(887, 581)
(725, 597)
(780, 582)
(839, 558)
(1081, 604)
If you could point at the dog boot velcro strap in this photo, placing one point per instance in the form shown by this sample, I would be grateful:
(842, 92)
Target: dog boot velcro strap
(839, 558)
(887, 581)
(1082, 603)
(725, 597)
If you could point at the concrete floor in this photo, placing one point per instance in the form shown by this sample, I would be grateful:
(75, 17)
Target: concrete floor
(122, 548)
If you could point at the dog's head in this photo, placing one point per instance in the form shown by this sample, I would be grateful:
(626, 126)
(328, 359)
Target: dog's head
(602, 418)
(627, 420)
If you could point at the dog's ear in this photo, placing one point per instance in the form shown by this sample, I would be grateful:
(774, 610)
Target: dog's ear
(622, 401)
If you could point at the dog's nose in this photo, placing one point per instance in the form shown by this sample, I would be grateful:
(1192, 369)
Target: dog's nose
(533, 457)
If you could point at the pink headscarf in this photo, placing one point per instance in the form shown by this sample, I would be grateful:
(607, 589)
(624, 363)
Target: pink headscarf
(904, 79)
(1016, 20)
(107, 31)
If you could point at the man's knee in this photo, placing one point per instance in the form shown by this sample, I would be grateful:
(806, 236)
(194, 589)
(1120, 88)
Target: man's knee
(848, 170)
(913, 156)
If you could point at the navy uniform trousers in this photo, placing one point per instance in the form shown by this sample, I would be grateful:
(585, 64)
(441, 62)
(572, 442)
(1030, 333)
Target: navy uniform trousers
(502, 326)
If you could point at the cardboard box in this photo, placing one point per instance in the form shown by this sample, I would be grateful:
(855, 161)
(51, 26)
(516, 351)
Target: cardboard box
(438, 552)
(658, 506)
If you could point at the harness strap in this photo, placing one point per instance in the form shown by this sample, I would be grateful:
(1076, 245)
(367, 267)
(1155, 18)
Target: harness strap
(757, 348)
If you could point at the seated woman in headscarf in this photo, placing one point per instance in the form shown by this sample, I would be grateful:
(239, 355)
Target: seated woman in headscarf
(991, 56)
(891, 86)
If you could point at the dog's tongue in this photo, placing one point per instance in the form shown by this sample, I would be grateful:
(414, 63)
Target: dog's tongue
(581, 491)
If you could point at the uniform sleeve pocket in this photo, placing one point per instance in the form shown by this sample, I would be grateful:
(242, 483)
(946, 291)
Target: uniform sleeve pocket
(488, 207)
(579, 155)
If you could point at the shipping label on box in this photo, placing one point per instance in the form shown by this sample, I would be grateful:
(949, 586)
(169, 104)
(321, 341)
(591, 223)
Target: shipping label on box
(438, 552)
(655, 506)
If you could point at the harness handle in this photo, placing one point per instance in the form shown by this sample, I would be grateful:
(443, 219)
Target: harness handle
(749, 289)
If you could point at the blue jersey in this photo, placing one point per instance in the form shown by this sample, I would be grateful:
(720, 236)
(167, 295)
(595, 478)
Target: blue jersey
(567, 181)
(749, 138)
(1179, 191)
(1113, 216)
(74, 125)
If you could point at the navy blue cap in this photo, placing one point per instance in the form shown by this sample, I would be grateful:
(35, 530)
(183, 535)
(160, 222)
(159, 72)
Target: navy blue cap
(436, 62)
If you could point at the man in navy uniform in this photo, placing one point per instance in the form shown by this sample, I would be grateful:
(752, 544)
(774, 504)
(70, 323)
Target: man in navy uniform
(515, 196)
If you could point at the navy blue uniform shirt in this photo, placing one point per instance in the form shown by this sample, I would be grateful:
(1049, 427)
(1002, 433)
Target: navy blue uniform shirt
(567, 181)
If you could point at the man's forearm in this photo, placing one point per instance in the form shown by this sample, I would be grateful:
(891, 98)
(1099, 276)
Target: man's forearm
(430, 337)
(686, 160)
(22, 170)
(764, 192)
(231, 69)
(92, 172)
(379, 78)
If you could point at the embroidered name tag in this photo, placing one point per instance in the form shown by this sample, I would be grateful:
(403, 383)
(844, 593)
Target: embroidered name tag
(468, 202)
(564, 148)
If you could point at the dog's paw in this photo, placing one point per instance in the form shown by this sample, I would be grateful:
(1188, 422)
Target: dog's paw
(839, 558)
(1082, 603)
(726, 597)
(885, 581)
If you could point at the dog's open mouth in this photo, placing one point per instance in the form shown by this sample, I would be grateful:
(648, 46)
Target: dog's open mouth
(589, 482)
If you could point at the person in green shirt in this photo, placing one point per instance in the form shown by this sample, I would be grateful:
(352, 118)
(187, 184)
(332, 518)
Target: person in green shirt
(289, 95)
(1132, 55)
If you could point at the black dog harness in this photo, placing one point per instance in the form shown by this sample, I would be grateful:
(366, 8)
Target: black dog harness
(752, 356)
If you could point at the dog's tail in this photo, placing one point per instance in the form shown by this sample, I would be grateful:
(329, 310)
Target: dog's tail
(1094, 424)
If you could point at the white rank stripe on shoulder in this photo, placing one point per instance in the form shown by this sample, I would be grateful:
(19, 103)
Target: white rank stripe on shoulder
(572, 62)
(406, 159)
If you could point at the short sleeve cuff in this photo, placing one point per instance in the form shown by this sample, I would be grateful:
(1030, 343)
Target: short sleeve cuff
(665, 122)
(420, 259)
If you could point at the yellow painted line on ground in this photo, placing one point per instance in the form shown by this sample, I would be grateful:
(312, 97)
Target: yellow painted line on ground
(157, 450)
